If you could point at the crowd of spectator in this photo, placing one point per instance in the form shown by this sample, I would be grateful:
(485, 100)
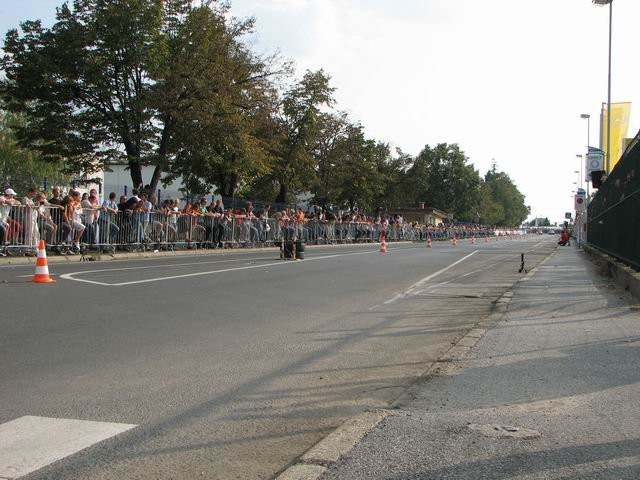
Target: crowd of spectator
(72, 221)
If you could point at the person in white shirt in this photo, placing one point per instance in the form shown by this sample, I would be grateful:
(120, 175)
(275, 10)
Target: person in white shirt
(46, 225)
(108, 222)
(30, 221)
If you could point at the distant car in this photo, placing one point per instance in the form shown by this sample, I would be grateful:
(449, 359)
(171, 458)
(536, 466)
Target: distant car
(551, 233)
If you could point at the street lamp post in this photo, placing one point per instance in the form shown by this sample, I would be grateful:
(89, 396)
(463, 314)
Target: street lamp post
(579, 157)
(608, 157)
(588, 117)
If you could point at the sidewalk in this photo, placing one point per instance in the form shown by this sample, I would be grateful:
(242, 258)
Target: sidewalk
(552, 391)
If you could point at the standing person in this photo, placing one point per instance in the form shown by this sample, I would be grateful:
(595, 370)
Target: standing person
(46, 225)
(263, 224)
(253, 235)
(122, 203)
(90, 215)
(55, 210)
(173, 212)
(72, 218)
(205, 220)
(30, 218)
(132, 209)
(217, 209)
(5, 210)
(14, 228)
(109, 228)
(56, 199)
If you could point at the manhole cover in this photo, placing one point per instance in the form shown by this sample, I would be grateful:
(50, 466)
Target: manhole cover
(504, 431)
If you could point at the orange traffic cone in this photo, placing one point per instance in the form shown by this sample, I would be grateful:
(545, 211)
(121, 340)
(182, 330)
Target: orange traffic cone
(429, 241)
(42, 267)
(454, 241)
(383, 246)
(473, 240)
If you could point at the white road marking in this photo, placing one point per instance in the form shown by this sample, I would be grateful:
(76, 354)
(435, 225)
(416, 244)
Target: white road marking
(30, 443)
(411, 290)
(71, 276)
(471, 273)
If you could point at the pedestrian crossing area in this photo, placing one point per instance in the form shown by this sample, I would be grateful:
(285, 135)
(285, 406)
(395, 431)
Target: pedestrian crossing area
(29, 443)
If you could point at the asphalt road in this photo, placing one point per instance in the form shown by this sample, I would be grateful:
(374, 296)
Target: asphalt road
(232, 365)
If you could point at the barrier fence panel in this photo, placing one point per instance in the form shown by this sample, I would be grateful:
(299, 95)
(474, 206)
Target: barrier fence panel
(613, 214)
(72, 229)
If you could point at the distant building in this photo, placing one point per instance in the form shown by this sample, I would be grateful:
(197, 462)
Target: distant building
(118, 180)
(422, 214)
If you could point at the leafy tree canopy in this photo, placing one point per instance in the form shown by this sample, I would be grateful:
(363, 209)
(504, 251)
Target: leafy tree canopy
(20, 168)
(138, 81)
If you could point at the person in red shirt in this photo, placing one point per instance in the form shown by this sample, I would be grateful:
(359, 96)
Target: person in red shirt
(564, 238)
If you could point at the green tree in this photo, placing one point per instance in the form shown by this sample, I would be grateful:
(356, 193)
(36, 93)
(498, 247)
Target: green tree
(20, 168)
(509, 208)
(300, 125)
(490, 211)
(443, 178)
(83, 84)
(219, 101)
(395, 180)
(328, 155)
(358, 177)
(139, 81)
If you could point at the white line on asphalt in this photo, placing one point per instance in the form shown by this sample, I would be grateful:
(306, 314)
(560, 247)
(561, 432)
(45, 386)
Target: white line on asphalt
(471, 273)
(70, 276)
(30, 443)
(419, 283)
(167, 265)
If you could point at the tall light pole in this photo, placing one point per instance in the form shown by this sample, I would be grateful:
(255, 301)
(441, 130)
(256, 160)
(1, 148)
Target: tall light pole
(588, 117)
(608, 158)
(579, 157)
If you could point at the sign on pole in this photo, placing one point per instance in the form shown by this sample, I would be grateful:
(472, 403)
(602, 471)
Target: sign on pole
(594, 162)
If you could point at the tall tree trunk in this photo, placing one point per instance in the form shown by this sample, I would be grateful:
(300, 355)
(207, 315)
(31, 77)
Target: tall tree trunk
(155, 179)
(135, 170)
(282, 194)
(227, 184)
(162, 153)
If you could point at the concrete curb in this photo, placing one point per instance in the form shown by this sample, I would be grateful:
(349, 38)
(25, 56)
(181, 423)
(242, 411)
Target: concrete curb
(315, 461)
(624, 276)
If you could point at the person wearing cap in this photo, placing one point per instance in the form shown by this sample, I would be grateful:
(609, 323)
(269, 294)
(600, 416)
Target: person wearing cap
(13, 228)
(4, 224)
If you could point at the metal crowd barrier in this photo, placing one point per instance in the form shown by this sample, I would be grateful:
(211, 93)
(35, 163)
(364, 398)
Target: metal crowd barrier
(21, 228)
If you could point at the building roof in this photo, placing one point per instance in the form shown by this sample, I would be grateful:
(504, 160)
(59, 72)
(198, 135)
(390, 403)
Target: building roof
(426, 210)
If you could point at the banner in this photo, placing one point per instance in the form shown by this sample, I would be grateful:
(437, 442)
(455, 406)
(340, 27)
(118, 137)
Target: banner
(620, 114)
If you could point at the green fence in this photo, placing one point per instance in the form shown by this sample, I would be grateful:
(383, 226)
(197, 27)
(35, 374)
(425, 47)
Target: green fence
(614, 213)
